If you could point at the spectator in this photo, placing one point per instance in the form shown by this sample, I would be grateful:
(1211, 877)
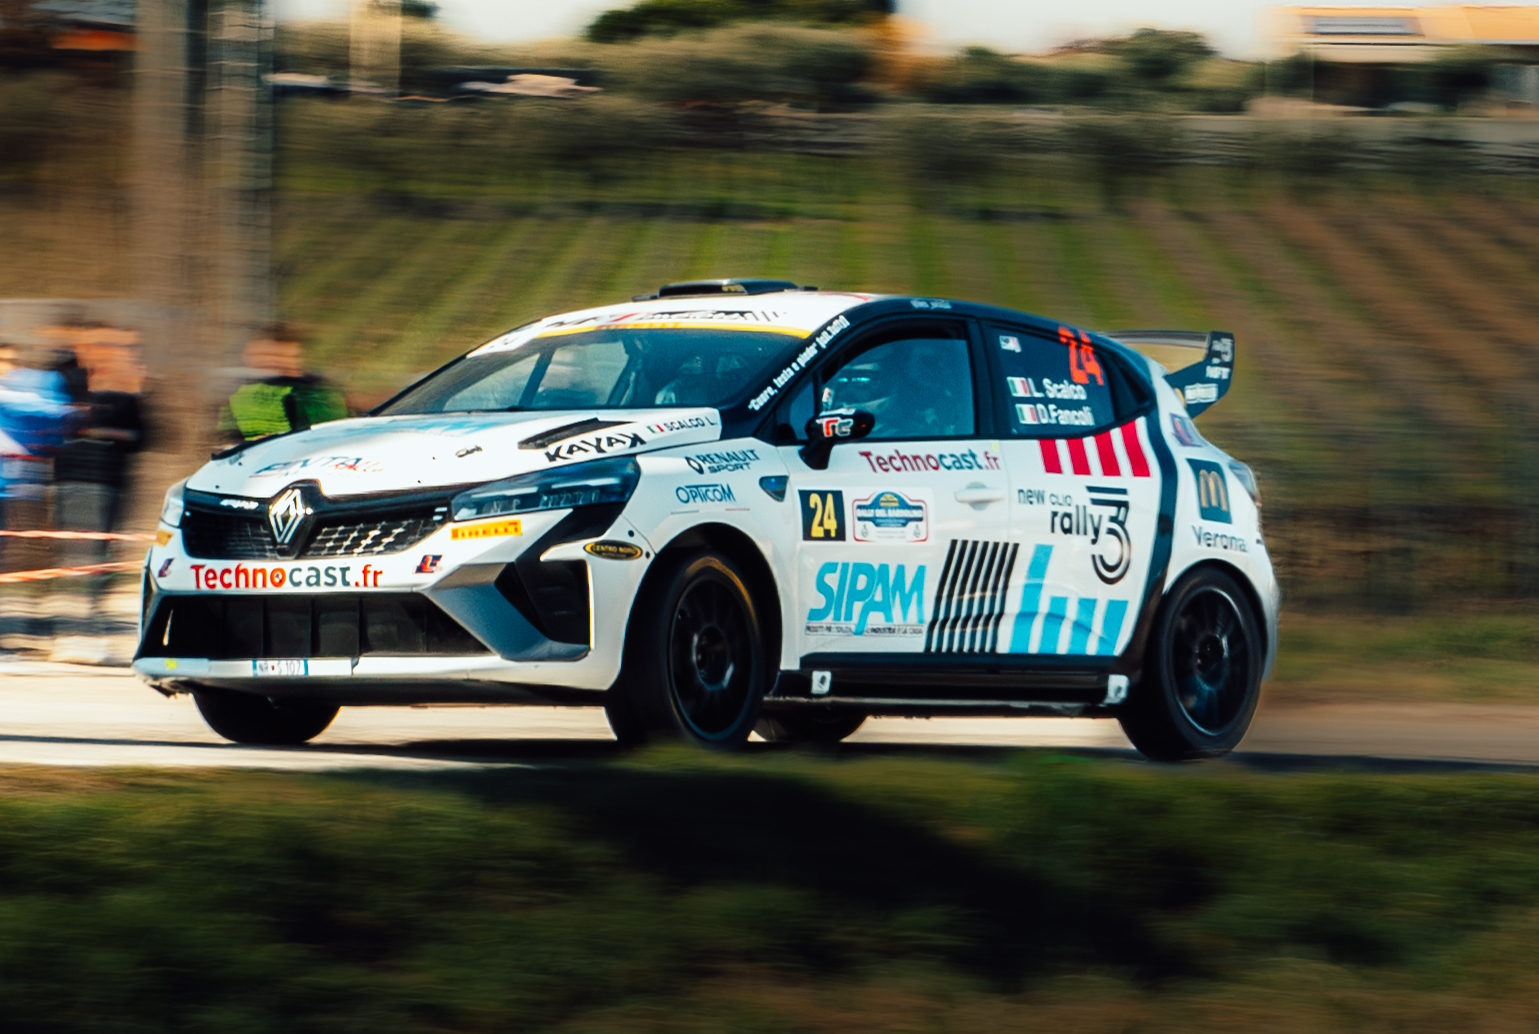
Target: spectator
(91, 470)
(33, 408)
(281, 397)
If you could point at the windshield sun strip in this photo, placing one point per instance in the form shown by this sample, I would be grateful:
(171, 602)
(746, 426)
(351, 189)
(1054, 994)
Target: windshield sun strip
(755, 328)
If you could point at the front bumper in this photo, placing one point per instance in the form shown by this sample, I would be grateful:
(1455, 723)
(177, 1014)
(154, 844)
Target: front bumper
(455, 618)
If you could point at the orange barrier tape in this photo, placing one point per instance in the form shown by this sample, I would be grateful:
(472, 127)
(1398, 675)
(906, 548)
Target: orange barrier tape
(48, 573)
(93, 536)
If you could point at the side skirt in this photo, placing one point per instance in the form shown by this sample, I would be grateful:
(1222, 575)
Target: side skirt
(997, 684)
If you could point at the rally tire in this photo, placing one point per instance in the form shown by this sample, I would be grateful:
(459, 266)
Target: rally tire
(809, 726)
(1202, 673)
(247, 718)
(695, 667)
(626, 726)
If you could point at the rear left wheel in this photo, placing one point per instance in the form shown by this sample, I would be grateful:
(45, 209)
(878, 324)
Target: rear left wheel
(247, 718)
(1202, 674)
(695, 658)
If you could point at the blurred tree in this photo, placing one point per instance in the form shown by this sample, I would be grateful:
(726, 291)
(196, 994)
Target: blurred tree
(425, 10)
(666, 17)
(982, 76)
(1158, 56)
(761, 62)
(1457, 78)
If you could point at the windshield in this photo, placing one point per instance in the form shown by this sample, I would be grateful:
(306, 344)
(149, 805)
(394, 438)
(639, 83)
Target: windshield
(603, 369)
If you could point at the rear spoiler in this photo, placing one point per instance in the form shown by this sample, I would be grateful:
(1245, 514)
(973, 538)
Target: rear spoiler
(1202, 383)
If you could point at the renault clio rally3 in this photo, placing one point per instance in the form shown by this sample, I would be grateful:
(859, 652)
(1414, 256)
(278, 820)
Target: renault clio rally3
(739, 505)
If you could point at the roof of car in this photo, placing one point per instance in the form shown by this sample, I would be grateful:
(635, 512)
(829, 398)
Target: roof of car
(798, 313)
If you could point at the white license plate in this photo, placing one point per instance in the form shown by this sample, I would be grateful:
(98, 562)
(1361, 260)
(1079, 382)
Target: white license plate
(282, 669)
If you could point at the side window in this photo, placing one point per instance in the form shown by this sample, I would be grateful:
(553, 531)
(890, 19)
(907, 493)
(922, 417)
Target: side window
(1057, 387)
(916, 387)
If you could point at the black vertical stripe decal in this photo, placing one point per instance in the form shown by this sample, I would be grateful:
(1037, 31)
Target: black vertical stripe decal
(975, 596)
(959, 597)
(1001, 588)
(970, 597)
(942, 598)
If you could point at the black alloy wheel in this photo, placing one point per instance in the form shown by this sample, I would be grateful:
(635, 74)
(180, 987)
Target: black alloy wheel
(1211, 660)
(1202, 674)
(711, 657)
(694, 665)
(258, 721)
(809, 725)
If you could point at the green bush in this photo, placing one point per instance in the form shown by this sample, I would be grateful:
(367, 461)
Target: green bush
(391, 149)
(1117, 151)
(951, 146)
(606, 897)
(982, 76)
(784, 63)
(666, 17)
(1448, 82)
(1312, 153)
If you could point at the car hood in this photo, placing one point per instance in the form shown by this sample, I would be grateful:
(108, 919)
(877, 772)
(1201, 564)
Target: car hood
(386, 454)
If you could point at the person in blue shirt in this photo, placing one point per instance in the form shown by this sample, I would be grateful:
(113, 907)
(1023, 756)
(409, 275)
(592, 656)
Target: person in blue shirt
(34, 413)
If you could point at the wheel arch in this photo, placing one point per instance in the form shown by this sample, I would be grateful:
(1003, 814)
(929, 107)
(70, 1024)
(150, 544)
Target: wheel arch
(1243, 580)
(738, 547)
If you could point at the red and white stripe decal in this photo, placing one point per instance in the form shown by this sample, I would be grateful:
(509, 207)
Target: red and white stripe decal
(1120, 452)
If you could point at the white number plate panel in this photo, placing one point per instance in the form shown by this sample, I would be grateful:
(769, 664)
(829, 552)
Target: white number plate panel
(285, 668)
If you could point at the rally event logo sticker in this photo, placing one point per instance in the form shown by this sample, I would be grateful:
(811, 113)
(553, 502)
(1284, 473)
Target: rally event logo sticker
(891, 517)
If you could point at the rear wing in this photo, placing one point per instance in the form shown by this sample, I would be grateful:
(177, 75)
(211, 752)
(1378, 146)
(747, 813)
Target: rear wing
(1203, 382)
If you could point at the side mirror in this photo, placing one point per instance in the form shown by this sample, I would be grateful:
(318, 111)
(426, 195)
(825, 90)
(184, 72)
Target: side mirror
(826, 430)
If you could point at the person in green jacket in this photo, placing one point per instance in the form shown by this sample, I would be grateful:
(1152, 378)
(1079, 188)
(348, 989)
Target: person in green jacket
(284, 397)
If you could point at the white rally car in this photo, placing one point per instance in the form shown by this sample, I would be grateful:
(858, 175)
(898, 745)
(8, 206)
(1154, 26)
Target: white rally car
(738, 505)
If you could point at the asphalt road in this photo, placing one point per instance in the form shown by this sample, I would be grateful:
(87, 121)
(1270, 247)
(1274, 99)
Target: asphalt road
(61, 714)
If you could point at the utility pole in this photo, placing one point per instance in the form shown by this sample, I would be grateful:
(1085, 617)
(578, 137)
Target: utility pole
(203, 143)
(240, 168)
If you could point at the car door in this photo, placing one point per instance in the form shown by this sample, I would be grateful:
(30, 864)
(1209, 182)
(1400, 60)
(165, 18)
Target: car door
(1085, 492)
(902, 547)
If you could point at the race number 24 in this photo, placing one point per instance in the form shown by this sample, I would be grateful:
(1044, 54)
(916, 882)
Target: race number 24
(823, 516)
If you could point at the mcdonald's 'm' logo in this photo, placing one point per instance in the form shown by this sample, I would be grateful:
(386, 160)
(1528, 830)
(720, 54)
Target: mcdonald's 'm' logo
(1212, 491)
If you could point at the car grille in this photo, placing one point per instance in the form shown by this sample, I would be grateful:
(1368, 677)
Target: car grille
(342, 625)
(220, 536)
(371, 538)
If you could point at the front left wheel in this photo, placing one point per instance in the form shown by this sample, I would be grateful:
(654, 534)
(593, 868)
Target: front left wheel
(256, 720)
(695, 660)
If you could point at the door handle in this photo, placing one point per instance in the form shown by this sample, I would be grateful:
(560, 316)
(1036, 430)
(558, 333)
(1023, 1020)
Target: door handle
(978, 496)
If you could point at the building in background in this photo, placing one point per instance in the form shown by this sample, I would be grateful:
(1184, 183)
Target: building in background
(75, 33)
(1360, 54)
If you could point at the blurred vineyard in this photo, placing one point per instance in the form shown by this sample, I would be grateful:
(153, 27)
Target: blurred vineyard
(1386, 315)
(1388, 335)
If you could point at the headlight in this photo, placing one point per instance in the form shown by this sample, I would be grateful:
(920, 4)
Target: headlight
(171, 509)
(584, 484)
(1247, 477)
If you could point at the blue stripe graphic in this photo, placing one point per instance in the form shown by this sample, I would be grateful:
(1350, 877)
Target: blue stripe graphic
(1082, 639)
(1031, 599)
(1084, 617)
(1111, 625)
(1052, 624)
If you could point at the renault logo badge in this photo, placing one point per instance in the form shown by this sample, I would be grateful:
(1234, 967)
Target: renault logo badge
(286, 514)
